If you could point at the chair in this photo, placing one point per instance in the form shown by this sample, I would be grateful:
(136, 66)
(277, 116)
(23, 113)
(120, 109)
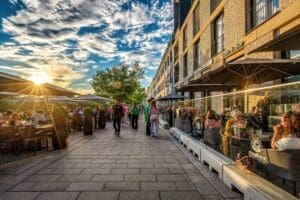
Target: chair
(212, 138)
(9, 139)
(285, 164)
(30, 135)
(225, 143)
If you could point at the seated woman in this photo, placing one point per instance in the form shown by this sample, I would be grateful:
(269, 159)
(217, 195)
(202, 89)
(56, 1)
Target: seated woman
(15, 120)
(236, 118)
(212, 120)
(286, 134)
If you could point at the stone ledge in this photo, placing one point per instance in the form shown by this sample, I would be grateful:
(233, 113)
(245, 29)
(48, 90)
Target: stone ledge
(251, 185)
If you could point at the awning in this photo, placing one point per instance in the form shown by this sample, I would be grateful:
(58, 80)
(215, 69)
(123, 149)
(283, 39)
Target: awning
(172, 97)
(289, 40)
(252, 71)
(91, 97)
(11, 83)
(205, 87)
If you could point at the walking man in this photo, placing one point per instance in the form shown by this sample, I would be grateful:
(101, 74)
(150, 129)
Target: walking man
(117, 115)
(135, 112)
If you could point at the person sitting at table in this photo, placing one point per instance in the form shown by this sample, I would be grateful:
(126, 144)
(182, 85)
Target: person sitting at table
(212, 120)
(286, 134)
(40, 117)
(29, 119)
(236, 118)
(14, 120)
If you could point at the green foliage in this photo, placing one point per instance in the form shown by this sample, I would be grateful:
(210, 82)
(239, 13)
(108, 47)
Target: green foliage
(137, 96)
(120, 82)
(87, 111)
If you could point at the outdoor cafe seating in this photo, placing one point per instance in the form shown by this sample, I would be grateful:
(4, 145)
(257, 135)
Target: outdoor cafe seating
(17, 140)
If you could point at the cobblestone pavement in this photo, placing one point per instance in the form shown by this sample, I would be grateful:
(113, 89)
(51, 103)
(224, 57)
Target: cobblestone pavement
(103, 166)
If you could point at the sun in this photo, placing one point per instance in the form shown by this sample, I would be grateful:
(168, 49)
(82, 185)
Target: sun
(40, 78)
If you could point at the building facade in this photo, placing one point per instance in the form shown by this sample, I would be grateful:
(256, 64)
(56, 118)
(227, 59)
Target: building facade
(208, 34)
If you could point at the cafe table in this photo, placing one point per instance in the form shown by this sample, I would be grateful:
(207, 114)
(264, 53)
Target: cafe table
(242, 146)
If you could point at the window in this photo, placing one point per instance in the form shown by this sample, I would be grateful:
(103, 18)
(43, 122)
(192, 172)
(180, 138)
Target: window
(259, 11)
(176, 73)
(218, 35)
(196, 19)
(184, 38)
(185, 65)
(176, 52)
(197, 62)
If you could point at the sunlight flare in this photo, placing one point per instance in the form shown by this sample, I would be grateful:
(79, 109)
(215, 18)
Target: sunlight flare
(40, 78)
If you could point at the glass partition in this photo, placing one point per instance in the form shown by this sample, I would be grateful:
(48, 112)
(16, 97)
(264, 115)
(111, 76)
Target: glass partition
(229, 122)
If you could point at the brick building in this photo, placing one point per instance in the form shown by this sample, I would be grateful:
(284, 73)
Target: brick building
(210, 34)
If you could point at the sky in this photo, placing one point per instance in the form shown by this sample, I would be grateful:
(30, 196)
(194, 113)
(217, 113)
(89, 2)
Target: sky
(65, 42)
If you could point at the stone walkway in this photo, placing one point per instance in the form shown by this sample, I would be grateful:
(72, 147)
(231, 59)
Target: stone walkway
(102, 166)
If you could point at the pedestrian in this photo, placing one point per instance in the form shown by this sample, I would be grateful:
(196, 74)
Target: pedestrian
(154, 118)
(147, 116)
(135, 112)
(117, 116)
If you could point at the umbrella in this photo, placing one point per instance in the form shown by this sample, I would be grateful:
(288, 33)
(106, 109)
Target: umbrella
(91, 97)
(252, 71)
(59, 99)
(171, 97)
(8, 94)
(205, 87)
(15, 84)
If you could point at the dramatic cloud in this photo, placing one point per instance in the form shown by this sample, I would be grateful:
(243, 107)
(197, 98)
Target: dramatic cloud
(71, 39)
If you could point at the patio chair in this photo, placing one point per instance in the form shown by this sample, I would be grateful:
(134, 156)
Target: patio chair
(212, 138)
(284, 164)
(31, 136)
(9, 140)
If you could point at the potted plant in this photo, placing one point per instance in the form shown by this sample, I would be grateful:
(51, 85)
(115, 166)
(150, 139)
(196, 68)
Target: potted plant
(88, 121)
(61, 129)
(102, 118)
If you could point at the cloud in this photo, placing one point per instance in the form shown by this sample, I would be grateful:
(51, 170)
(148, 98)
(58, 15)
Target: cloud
(48, 36)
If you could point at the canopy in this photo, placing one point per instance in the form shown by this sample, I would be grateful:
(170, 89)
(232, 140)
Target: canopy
(289, 40)
(8, 94)
(205, 87)
(91, 97)
(252, 71)
(11, 83)
(172, 96)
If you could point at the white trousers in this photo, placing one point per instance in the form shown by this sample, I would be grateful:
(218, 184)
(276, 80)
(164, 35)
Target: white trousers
(154, 128)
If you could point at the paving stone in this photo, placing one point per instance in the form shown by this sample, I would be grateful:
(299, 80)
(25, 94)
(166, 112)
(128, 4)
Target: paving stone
(123, 186)
(158, 186)
(23, 186)
(155, 171)
(46, 171)
(62, 165)
(77, 177)
(43, 178)
(114, 165)
(139, 195)
(196, 179)
(128, 161)
(188, 195)
(140, 165)
(101, 161)
(125, 171)
(50, 186)
(98, 196)
(19, 195)
(172, 177)
(87, 165)
(140, 177)
(111, 177)
(58, 196)
(185, 186)
(96, 171)
(85, 186)
(177, 170)
(206, 189)
(67, 171)
(167, 165)
(213, 197)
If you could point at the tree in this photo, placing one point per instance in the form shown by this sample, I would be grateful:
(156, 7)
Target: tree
(119, 82)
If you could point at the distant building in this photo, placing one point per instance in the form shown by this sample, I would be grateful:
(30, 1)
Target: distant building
(209, 34)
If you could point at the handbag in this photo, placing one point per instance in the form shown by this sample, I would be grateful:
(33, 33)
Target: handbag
(154, 117)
